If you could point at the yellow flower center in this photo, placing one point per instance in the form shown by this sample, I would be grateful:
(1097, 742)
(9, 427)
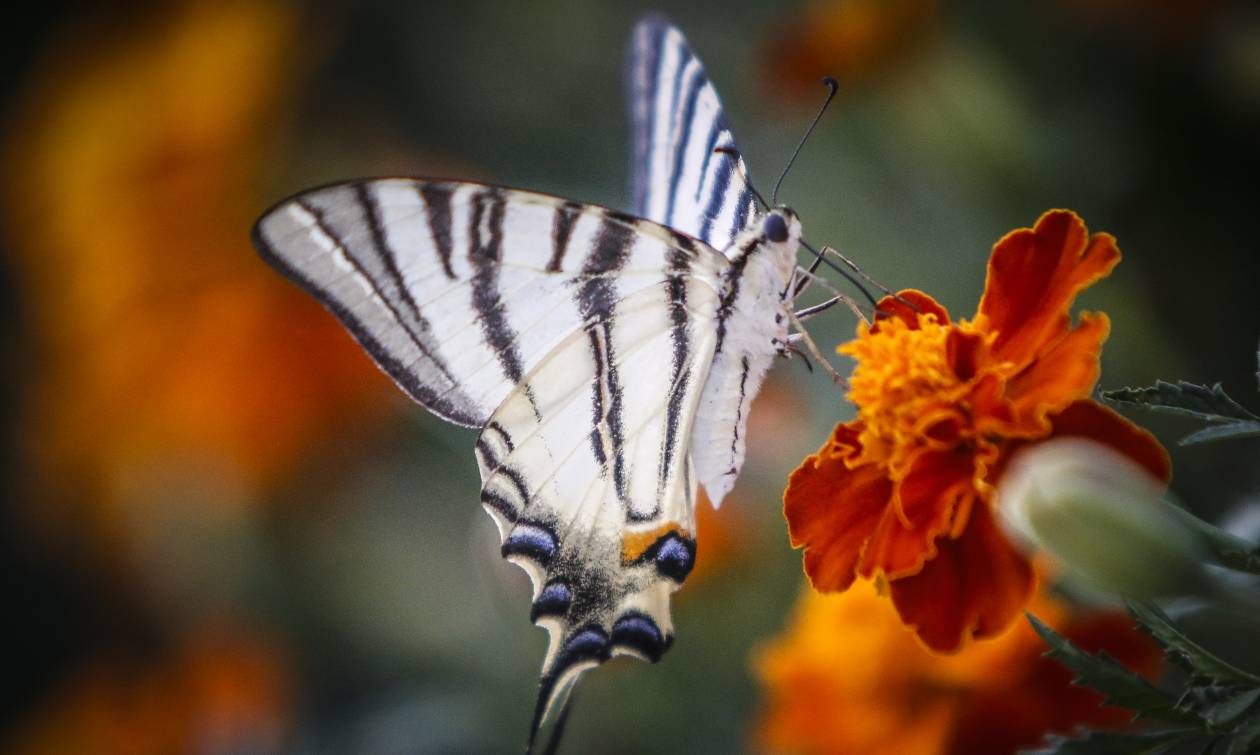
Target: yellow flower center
(901, 381)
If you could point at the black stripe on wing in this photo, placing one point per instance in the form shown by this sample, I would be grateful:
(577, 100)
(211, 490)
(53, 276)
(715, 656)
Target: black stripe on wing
(442, 395)
(437, 206)
(596, 299)
(561, 230)
(676, 286)
(485, 250)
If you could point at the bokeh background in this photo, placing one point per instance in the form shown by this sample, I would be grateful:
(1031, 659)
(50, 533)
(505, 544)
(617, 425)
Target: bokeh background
(224, 531)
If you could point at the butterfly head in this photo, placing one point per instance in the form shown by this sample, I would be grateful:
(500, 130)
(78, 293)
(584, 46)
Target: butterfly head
(781, 233)
(781, 226)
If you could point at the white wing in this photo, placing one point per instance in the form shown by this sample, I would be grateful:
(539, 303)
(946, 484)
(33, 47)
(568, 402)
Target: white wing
(577, 337)
(595, 498)
(677, 123)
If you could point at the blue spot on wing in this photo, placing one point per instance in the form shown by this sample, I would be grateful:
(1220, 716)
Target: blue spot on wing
(554, 600)
(589, 644)
(674, 556)
(532, 541)
(639, 632)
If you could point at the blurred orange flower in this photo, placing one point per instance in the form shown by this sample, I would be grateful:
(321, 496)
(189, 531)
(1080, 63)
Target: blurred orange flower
(162, 343)
(853, 40)
(220, 691)
(904, 492)
(847, 678)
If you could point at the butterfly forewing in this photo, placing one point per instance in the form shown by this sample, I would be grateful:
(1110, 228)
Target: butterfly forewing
(677, 177)
(458, 289)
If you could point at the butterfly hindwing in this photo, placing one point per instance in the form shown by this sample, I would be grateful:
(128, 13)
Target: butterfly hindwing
(677, 122)
(578, 339)
(596, 499)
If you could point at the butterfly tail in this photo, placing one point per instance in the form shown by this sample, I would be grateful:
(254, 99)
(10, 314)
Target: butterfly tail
(546, 713)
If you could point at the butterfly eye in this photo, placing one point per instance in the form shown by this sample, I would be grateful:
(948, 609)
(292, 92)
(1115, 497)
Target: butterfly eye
(775, 228)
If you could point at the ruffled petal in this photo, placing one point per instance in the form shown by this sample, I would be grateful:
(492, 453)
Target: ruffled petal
(966, 353)
(1062, 374)
(1034, 274)
(831, 511)
(845, 443)
(975, 587)
(992, 412)
(923, 507)
(907, 306)
(1092, 420)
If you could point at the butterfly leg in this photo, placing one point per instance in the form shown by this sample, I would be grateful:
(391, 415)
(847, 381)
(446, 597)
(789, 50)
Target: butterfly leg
(854, 267)
(802, 277)
(867, 277)
(837, 298)
(803, 336)
(808, 312)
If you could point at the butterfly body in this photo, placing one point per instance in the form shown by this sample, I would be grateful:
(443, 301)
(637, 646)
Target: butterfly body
(752, 332)
(608, 360)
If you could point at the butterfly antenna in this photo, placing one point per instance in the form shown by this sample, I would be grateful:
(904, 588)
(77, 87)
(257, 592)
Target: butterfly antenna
(734, 155)
(832, 88)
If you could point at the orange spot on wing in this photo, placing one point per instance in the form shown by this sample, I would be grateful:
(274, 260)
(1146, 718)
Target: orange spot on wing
(635, 544)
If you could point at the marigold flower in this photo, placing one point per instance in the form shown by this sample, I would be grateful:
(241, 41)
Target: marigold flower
(846, 678)
(854, 40)
(905, 492)
(130, 186)
(220, 690)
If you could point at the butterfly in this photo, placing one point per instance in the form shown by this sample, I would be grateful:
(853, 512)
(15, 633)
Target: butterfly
(608, 360)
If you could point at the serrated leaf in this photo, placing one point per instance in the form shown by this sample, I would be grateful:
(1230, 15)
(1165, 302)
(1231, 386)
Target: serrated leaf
(1103, 674)
(1246, 739)
(1111, 742)
(1229, 550)
(1230, 431)
(1226, 714)
(1188, 399)
(1187, 653)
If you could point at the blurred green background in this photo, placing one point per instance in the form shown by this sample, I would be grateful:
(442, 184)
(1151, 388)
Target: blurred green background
(224, 531)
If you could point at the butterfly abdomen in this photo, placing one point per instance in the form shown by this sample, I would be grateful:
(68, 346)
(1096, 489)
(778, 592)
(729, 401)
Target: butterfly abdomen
(752, 323)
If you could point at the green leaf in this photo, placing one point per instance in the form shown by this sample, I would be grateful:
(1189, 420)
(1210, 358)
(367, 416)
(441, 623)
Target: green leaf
(1226, 714)
(1230, 431)
(1246, 738)
(1230, 551)
(1102, 673)
(1187, 653)
(1111, 742)
(1188, 399)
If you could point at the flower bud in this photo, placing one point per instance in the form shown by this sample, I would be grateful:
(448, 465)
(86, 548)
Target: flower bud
(1099, 514)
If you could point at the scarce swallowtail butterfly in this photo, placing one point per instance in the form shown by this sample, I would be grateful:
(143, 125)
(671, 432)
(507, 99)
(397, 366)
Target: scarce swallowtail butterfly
(606, 359)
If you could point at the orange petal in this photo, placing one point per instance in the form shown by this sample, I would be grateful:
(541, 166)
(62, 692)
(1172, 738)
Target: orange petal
(845, 442)
(1092, 420)
(1064, 373)
(993, 412)
(923, 507)
(1034, 274)
(907, 306)
(965, 353)
(975, 587)
(831, 510)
